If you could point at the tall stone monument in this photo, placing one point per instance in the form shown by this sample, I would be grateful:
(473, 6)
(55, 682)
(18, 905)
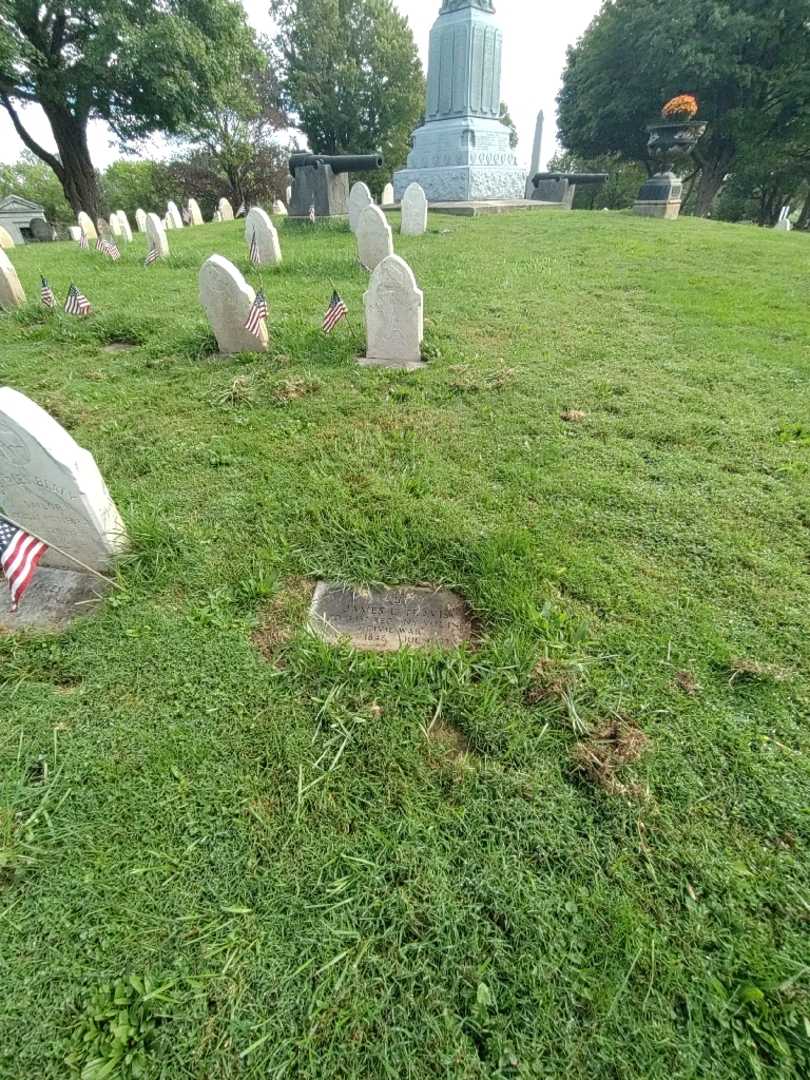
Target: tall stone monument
(462, 151)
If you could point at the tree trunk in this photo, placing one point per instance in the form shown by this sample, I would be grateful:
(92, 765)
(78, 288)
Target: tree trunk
(712, 175)
(79, 181)
(804, 218)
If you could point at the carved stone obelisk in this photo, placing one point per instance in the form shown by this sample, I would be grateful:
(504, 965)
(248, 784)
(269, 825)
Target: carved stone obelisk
(462, 151)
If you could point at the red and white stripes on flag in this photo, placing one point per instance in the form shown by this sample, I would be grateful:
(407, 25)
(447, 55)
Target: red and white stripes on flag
(83, 241)
(46, 295)
(336, 311)
(152, 257)
(255, 257)
(19, 557)
(257, 315)
(109, 248)
(76, 303)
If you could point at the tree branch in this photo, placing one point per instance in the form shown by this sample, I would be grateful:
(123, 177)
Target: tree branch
(33, 146)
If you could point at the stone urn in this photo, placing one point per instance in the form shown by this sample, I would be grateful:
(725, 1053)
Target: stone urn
(670, 141)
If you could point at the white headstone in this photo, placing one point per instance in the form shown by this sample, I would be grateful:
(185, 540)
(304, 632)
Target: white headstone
(259, 224)
(537, 150)
(225, 210)
(157, 235)
(173, 212)
(195, 212)
(414, 211)
(288, 195)
(374, 240)
(53, 487)
(140, 219)
(227, 299)
(388, 195)
(394, 317)
(74, 232)
(85, 223)
(167, 222)
(217, 216)
(359, 199)
(784, 223)
(6, 239)
(126, 230)
(115, 224)
(279, 208)
(11, 296)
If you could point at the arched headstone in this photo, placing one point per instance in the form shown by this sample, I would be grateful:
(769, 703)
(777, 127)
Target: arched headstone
(414, 211)
(6, 239)
(126, 228)
(227, 299)
(279, 209)
(359, 199)
(157, 235)
(85, 223)
(140, 219)
(195, 213)
(173, 212)
(388, 195)
(258, 224)
(115, 224)
(374, 240)
(225, 210)
(12, 296)
(394, 317)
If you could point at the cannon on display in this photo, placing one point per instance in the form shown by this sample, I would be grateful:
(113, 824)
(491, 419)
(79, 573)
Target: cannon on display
(559, 187)
(322, 181)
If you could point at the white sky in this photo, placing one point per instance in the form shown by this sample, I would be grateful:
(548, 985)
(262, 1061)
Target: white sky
(536, 36)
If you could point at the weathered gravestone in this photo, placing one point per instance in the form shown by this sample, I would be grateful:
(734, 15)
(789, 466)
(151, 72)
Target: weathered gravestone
(157, 235)
(74, 232)
(6, 239)
(359, 199)
(167, 222)
(42, 231)
(388, 195)
(225, 210)
(374, 240)
(126, 228)
(258, 224)
(394, 317)
(85, 223)
(227, 299)
(11, 291)
(194, 212)
(279, 208)
(51, 487)
(174, 213)
(140, 219)
(414, 211)
(384, 620)
(115, 225)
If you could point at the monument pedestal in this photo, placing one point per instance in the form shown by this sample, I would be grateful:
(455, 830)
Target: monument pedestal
(660, 197)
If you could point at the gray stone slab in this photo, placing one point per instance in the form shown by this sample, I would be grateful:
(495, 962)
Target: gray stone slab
(52, 601)
(502, 206)
(385, 620)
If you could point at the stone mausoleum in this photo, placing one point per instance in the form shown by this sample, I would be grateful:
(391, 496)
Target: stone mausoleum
(462, 151)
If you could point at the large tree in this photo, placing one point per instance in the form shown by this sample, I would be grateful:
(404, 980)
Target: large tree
(747, 61)
(351, 75)
(140, 65)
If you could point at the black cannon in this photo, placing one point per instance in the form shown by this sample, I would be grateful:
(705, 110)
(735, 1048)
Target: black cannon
(560, 187)
(321, 180)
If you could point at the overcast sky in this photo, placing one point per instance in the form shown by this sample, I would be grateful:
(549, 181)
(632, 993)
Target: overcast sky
(536, 35)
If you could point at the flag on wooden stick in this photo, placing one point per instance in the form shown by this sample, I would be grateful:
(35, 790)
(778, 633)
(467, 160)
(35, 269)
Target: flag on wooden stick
(255, 258)
(19, 558)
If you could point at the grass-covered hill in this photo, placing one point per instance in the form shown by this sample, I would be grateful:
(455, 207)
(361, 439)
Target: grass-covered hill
(577, 850)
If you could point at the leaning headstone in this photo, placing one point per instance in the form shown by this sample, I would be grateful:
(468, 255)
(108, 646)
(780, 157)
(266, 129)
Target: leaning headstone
(195, 212)
(388, 195)
(227, 299)
(140, 219)
(126, 228)
(6, 239)
(225, 210)
(85, 223)
(157, 235)
(359, 199)
(374, 240)
(11, 296)
(414, 211)
(74, 232)
(394, 317)
(279, 209)
(385, 620)
(42, 231)
(258, 224)
(173, 212)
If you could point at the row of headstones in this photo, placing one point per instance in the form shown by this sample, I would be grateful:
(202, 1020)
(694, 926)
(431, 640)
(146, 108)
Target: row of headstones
(375, 241)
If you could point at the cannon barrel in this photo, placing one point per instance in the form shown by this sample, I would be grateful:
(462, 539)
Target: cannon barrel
(340, 163)
(572, 178)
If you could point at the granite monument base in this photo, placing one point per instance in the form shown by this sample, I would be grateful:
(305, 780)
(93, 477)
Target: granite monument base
(496, 206)
(660, 197)
(669, 209)
(320, 187)
(53, 600)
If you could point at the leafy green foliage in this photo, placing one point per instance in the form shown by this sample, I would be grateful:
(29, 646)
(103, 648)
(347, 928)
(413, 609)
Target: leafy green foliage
(34, 180)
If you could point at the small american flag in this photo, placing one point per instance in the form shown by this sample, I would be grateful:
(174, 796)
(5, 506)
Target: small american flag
(257, 314)
(255, 257)
(77, 303)
(336, 311)
(19, 556)
(312, 213)
(46, 293)
(109, 248)
(83, 241)
(151, 257)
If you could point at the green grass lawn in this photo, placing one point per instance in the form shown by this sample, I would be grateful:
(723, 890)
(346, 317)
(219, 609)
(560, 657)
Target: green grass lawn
(579, 849)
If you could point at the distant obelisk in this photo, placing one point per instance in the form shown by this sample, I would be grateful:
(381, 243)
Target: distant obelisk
(462, 151)
(536, 154)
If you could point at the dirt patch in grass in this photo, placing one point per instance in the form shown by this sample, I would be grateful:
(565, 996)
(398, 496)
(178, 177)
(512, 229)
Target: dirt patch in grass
(687, 682)
(293, 389)
(745, 669)
(606, 754)
(573, 416)
(450, 740)
(281, 619)
(120, 347)
(552, 680)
